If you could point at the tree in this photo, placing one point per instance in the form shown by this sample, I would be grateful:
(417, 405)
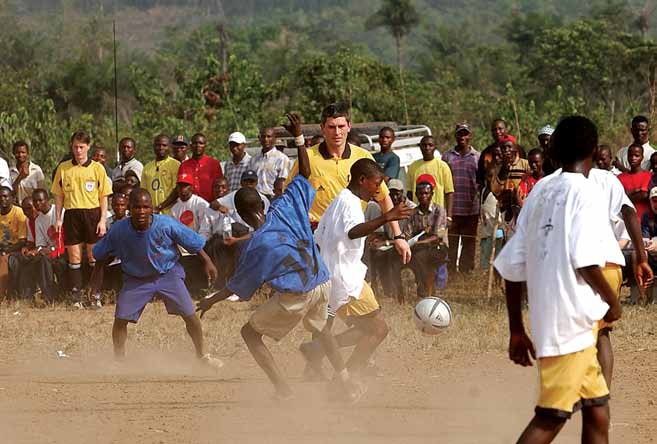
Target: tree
(399, 17)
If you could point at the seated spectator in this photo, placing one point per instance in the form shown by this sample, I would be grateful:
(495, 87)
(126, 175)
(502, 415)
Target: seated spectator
(226, 204)
(119, 209)
(27, 205)
(636, 181)
(132, 179)
(604, 160)
(13, 237)
(26, 176)
(535, 161)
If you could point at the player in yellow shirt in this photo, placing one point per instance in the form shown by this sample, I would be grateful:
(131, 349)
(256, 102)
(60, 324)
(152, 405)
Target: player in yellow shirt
(159, 176)
(442, 195)
(81, 187)
(13, 233)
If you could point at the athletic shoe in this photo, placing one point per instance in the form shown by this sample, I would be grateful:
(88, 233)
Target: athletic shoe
(96, 305)
(78, 306)
(233, 298)
(349, 391)
(313, 354)
(212, 362)
(371, 369)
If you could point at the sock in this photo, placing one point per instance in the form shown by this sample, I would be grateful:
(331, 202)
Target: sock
(75, 277)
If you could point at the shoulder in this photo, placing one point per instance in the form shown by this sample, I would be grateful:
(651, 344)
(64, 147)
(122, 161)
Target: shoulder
(170, 161)
(360, 153)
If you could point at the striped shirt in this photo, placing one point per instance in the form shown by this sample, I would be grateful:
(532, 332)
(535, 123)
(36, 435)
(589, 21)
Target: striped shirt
(465, 200)
(233, 172)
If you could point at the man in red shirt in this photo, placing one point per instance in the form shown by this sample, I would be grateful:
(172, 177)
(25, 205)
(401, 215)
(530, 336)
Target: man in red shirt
(636, 181)
(535, 160)
(203, 169)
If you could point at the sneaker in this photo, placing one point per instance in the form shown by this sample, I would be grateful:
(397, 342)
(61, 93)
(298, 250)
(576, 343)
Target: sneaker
(212, 362)
(349, 391)
(96, 304)
(371, 369)
(233, 298)
(78, 306)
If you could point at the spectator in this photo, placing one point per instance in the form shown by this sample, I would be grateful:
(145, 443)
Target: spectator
(499, 132)
(604, 160)
(226, 204)
(99, 154)
(179, 146)
(240, 161)
(443, 192)
(27, 206)
(159, 176)
(18, 261)
(640, 134)
(544, 137)
(80, 187)
(279, 187)
(269, 163)
(128, 162)
(535, 161)
(119, 209)
(26, 176)
(386, 159)
(13, 235)
(490, 229)
(636, 180)
(463, 160)
(132, 179)
(649, 232)
(653, 163)
(201, 168)
(112, 276)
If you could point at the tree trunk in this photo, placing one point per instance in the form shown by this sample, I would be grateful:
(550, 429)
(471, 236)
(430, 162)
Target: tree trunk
(401, 77)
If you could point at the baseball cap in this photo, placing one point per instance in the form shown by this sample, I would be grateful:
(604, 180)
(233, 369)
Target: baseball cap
(395, 184)
(185, 178)
(507, 138)
(653, 192)
(547, 129)
(426, 178)
(179, 140)
(237, 137)
(462, 127)
(249, 175)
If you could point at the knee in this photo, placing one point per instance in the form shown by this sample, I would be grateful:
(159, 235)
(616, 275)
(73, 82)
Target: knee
(379, 328)
(120, 324)
(249, 334)
(597, 417)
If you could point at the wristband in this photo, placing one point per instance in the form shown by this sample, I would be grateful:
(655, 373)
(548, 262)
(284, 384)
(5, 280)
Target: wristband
(300, 140)
(399, 236)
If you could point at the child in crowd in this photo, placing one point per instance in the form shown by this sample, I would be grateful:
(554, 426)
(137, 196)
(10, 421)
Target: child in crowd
(535, 161)
(604, 160)
(636, 181)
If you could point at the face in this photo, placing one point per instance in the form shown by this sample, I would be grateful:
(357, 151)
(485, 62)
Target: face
(219, 188)
(463, 139)
(544, 141)
(604, 160)
(28, 208)
(133, 181)
(535, 163)
(80, 150)
(498, 130)
(100, 156)
(635, 156)
(180, 152)
(127, 149)
(335, 131)
(397, 196)
(509, 152)
(185, 191)
(249, 183)
(386, 139)
(427, 146)
(198, 146)
(267, 138)
(640, 132)
(141, 210)
(237, 149)
(653, 204)
(497, 155)
(21, 154)
(6, 199)
(161, 148)
(119, 206)
(424, 195)
(41, 202)
(369, 186)
(653, 163)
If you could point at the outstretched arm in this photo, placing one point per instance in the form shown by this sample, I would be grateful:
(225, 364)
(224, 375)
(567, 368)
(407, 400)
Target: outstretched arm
(205, 304)
(294, 128)
(399, 212)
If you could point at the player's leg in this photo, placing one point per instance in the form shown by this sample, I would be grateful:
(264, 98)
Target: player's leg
(541, 430)
(375, 330)
(606, 354)
(265, 360)
(74, 253)
(119, 337)
(595, 424)
(92, 265)
(134, 296)
(195, 331)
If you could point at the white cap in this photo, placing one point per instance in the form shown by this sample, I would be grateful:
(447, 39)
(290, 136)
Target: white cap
(653, 192)
(547, 129)
(237, 137)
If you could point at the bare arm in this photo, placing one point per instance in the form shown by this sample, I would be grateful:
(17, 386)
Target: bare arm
(169, 201)
(294, 128)
(642, 270)
(59, 207)
(401, 211)
(101, 229)
(521, 349)
(449, 204)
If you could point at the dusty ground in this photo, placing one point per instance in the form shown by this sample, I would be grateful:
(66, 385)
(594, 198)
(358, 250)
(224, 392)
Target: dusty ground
(457, 387)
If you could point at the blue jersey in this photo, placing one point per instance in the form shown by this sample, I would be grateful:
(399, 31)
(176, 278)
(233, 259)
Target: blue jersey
(151, 252)
(282, 251)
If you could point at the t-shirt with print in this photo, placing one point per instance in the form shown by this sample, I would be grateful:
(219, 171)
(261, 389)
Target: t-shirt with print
(190, 212)
(562, 227)
(341, 254)
(389, 161)
(282, 251)
(228, 202)
(159, 178)
(46, 234)
(13, 226)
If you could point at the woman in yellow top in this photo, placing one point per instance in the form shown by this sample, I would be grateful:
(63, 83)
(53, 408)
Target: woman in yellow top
(80, 187)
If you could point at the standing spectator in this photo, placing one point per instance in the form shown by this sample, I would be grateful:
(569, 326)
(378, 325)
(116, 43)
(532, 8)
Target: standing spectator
(99, 154)
(604, 160)
(499, 132)
(544, 137)
(269, 163)
(201, 168)
(463, 160)
(26, 176)
(159, 176)
(640, 134)
(535, 161)
(240, 161)
(386, 159)
(649, 232)
(179, 146)
(442, 193)
(127, 151)
(226, 204)
(636, 181)
(13, 235)
(81, 188)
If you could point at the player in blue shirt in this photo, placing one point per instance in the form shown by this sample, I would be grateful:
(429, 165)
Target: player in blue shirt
(283, 253)
(147, 245)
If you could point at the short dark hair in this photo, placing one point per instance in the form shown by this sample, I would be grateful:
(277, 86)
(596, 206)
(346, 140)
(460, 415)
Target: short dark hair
(38, 191)
(335, 110)
(18, 144)
(602, 148)
(640, 119)
(160, 136)
(247, 199)
(575, 138)
(386, 128)
(6, 188)
(422, 185)
(535, 151)
(128, 139)
(427, 137)
(198, 135)
(367, 168)
(81, 136)
(137, 193)
(496, 121)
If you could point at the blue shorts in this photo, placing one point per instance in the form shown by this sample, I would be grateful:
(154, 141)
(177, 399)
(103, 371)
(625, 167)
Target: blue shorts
(137, 292)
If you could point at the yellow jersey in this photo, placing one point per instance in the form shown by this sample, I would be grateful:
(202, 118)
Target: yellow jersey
(159, 178)
(81, 185)
(13, 226)
(439, 170)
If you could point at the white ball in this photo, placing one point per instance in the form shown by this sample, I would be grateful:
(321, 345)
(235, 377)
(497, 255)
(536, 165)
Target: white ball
(431, 315)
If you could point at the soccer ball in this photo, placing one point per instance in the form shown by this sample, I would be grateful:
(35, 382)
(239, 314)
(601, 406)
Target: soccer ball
(431, 315)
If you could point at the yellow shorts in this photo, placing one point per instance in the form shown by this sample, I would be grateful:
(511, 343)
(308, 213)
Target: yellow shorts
(283, 311)
(570, 382)
(613, 273)
(364, 305)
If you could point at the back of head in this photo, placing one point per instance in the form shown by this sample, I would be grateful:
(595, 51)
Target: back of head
(365, 168)
(335, 110)
(574, 139)
(248, 201)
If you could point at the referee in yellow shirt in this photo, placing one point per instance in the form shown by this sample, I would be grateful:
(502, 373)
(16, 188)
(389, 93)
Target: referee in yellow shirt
(159, 176)
(80, 187)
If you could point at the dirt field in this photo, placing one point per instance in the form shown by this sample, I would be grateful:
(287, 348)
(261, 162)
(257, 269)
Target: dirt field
(458, 387)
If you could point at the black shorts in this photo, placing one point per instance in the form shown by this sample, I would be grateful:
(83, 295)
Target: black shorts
(80, 226)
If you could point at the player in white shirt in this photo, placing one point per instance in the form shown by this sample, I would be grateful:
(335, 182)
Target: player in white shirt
(562, 242)
(226, 203)
(341, 234)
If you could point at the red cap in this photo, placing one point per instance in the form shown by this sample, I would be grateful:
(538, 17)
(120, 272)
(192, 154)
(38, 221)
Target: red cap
(185, 178)
(507, 138)
(426, 178)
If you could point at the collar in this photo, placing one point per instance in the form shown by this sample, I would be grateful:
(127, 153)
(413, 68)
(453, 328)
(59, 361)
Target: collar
(470, 151)
(323, 150)
(430, 210)
(86, 164)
